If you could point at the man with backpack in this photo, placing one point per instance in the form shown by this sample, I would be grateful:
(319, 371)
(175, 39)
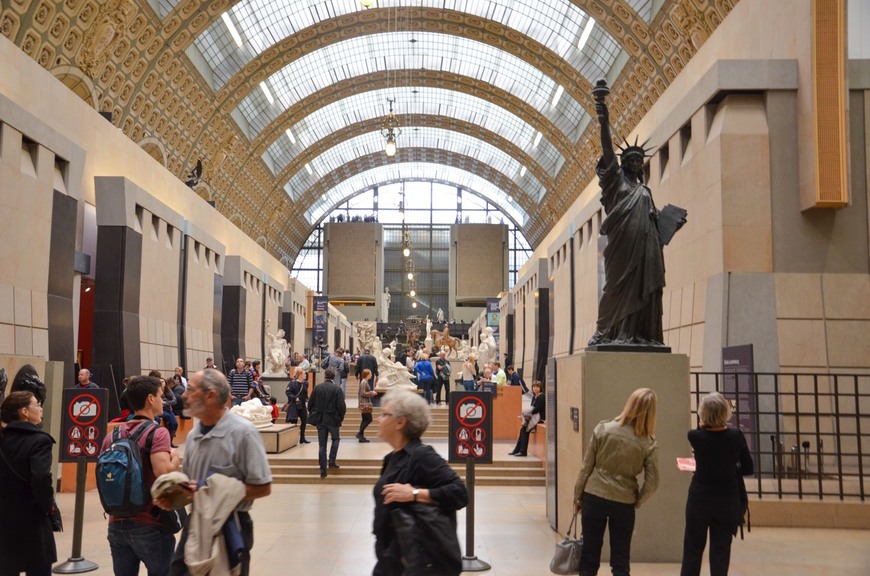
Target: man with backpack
(141, 448)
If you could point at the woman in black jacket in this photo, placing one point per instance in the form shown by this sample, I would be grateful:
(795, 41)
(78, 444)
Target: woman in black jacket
(27, 504)
(529, 420)
(416, 497)
(721, 454)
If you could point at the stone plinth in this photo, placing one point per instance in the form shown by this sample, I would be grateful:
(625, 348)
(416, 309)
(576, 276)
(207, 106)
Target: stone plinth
(598, 384)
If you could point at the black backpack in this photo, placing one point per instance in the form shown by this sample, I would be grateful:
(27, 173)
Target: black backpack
(121, 482)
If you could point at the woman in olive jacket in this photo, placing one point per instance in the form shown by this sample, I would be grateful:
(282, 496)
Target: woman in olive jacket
(607, 489)
(27, 503)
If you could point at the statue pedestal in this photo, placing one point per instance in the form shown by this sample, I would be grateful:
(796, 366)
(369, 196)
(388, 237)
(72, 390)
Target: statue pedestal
(428, 342)
(597, 384)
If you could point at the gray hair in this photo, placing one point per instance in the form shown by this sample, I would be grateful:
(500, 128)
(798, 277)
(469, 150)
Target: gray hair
(215, 380)
(714, 410)
(412, 407)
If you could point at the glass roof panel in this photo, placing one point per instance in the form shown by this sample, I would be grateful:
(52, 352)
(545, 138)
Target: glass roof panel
(413, 137)
(413, 100)
(421, 171)
(395, 51)
(557, 24)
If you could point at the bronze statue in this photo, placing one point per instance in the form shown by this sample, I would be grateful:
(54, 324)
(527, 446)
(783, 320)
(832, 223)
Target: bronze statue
(630, 309)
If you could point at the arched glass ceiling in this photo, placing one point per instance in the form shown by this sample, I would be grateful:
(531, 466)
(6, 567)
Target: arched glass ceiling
(413, 137)
(421, 171)
(421, 100)
(557, 24)
(395, 51)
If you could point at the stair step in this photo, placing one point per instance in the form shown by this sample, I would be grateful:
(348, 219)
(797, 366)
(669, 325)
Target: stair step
(335, 477)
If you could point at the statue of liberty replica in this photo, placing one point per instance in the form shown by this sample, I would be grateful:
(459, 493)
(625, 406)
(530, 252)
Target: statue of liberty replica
(630, 309)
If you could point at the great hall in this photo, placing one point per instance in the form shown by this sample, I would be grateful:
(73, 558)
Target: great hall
(182, 178)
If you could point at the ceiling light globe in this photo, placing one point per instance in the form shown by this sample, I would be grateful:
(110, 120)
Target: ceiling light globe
(390, 148)
(412, 293)
(410, 275)
(406, 252)
(413, 304)
(366, 3)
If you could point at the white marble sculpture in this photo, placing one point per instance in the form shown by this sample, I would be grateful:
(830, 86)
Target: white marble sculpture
(279, 351)
(428, 329)
(386, 298)
(366, 333)
(439, 316)
(255, 411)
(487, 348)
(390, 372)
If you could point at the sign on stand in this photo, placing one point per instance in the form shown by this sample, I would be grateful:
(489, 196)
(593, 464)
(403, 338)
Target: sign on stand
(470, 442)
(470, 427)
(84, 423)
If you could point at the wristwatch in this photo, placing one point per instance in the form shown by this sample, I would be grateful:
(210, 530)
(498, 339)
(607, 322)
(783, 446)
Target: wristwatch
(415, 492)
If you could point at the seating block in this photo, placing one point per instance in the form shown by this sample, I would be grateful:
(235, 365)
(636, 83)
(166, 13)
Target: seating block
(538, 442)
(279, 438)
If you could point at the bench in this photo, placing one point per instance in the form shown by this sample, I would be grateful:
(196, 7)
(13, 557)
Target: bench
(279, 438)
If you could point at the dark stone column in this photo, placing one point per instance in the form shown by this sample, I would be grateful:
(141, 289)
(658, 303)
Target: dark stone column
(60, 284)
(116, 307)
(232, 324)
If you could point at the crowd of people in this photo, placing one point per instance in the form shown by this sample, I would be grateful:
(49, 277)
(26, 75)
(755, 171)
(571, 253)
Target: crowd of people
(416, 496)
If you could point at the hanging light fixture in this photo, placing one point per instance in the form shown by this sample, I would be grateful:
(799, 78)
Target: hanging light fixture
(391, 130)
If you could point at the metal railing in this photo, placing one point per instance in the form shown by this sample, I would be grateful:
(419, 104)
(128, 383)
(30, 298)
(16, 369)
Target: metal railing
(809, 434)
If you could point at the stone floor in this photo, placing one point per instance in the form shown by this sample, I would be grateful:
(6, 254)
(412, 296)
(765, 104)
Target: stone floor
(325, 530)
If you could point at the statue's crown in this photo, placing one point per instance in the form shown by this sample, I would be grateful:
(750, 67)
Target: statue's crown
(634, 149)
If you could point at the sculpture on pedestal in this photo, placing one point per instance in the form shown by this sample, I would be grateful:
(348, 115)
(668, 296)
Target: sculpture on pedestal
(630, 309)
(279, 351)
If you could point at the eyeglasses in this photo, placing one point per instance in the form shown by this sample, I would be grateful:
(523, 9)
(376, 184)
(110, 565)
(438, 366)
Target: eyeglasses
(386, 415)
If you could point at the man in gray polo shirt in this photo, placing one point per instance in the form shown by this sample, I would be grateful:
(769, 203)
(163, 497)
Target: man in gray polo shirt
(222, 443)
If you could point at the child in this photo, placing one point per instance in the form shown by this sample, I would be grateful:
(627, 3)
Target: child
(274, 402)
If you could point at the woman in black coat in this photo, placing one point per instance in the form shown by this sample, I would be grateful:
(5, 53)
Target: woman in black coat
(27, 505)
(721, 454)
(537, 407)
(416, 497)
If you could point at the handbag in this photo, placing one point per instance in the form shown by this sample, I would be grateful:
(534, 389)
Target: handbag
(172, 521)
(427, 540)
(566, 559)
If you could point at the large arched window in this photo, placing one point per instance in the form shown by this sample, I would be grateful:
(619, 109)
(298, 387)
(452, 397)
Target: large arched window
(430, 209)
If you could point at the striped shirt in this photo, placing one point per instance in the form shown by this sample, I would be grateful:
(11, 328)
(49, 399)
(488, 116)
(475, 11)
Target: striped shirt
(240, 382)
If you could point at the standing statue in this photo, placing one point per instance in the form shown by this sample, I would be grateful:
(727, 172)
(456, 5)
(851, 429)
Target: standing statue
(279, 351)
(428, 328)
(630, 310)
(386, 298)
(486, 350)
(439, 316)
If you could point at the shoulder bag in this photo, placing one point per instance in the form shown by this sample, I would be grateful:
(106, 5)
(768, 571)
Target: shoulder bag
(566, 560)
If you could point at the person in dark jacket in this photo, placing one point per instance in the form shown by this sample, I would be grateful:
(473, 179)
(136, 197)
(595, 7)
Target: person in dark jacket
(27, 505)
(415, 476)
(296, 407)
(327, 400)
(721, 454)
(529, 421)
(368, 362)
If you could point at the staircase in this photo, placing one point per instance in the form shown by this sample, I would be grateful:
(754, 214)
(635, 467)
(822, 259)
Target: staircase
(361, 463)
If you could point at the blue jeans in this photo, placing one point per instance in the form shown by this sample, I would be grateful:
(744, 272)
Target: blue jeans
(426, 386)
(468, 385)
(322, 432)
(131, 542)
(342, 382)
(596, 515)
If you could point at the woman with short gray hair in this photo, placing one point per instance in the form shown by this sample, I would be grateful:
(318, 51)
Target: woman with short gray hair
(417, 484)
(721, 454)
